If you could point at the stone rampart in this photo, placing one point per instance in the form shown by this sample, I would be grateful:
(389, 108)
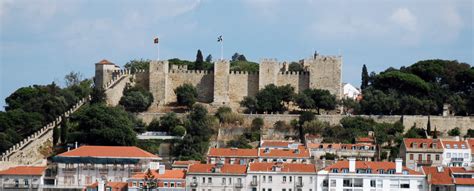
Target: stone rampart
(298, 80)
(203, 80)
(242, 84)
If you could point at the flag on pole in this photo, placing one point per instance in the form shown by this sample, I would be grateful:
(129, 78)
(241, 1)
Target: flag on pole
(219, 39)
(155, 40)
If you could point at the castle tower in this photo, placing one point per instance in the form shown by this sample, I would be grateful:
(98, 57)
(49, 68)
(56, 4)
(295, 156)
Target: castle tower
(104, 72)
(325, 73)
(268, 71)
(221, 82)
(158, 78)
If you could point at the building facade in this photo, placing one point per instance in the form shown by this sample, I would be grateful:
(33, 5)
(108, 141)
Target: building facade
(360, 151)
(449, 178)
(417, 152)
(158, 180)
(281, 177)
(210, 177)
(22, 178)
(456, 153)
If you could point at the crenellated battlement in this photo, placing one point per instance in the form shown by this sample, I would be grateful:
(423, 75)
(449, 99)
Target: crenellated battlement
(191, 71)
(296, 73)
(242, 73)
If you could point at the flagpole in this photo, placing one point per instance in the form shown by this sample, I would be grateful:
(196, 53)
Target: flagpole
(158, 51)
(222, 50)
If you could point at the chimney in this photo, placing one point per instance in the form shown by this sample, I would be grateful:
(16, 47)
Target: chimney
(398, 165)
(457, 138)
(352, 164)
(101, 184)
(75, 145)
(161, 169)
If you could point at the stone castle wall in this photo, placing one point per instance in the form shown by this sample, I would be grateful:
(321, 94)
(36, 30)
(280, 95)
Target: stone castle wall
(298, 80)
(243, 84)
(201, 79)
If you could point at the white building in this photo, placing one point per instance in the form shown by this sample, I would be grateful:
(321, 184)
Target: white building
(349, 91)
(456, 153)
(22, 178)
(86, 165)
(354, 175)
(216, 177)
(281, 177)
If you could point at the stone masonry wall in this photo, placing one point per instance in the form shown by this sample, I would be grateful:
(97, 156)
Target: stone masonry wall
(242, 84)
(298, 80)
(325, 73)
(202, 80)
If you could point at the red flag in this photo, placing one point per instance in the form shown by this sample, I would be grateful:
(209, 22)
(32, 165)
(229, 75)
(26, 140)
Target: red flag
(155, 40)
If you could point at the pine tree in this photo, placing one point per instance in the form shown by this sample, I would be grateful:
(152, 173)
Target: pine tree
(55, 135)
(365, 78)
(209, 58)
(64, 131)
(199, 60)
(428, 126)
(435, 134)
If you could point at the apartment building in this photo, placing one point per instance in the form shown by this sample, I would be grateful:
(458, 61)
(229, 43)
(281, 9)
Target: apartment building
(456, 153)
(281, 176)
(278, 144)
(449, 178)
(22, 178)
(86, 165)
(287, 155)
(352, 175)
(211, 177)
(417, 152)
(158, 180)
(231, 155)
(360, 151)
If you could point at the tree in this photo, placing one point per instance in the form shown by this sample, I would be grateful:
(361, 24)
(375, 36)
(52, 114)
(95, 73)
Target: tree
(186, 95)
(269, 99)
(169, 121)
(350, 105)
(314, 127)
(135, 65)
(55, 135)
(73, 78)
(235, 56)
(246, 66)
(102, 125)
(154, 125)
(241, 142)
(136, 99)
(199, 61)
(428, 125)
(221, 111)
(365, 78)
(470, 133)
(64, 131)
(250, 103)
(321, 99)
(454, 132)
(178, 130)
(98, 95)
(241, 58)
(209, 58)
(295, 66)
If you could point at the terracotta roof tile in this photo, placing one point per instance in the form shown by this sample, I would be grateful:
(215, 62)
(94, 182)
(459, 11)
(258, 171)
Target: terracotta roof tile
(105, 61)
(24, 170)
(285, 167)
(272, 143)
(115, 186)
(301, 152)
(470, 142)
(464, 181)
(232, 152)
(452, 144)
(419, 141)
(169, 174)
(225, 169)
(364, 140)
(186, 162)
(438, 178)
(337, 146)
(109, 151)
(373, 165)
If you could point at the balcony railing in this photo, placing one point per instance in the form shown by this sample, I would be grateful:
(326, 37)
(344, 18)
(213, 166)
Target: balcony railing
(457, 159)
(299, 184)
(238, 185)
(15, 185)
(253, 183)
(69, 170)
(103, 170)
(424, 162)
(194, 184)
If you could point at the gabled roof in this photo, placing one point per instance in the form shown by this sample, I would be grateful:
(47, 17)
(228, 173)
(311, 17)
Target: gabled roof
(452, 144)
(273, 143)
(232, 152)
(470, 142)
(438, 177)
(211, 168)
(337, 146)
(419, 141)
(364, 140)
(24, 170)
(464, 181)
(373, 165)
(185, 162)
(105, 62)
(115, 186)
(168, 174)
(109, 152)
(301, 152)
(284, 167)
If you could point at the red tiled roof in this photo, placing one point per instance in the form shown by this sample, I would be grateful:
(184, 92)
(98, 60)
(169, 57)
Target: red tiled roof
(271, 143)
(301, 152)
(185, 162)
(374, 165)
(460, 170)
(285, 167)
(470, 142)
(365, 140)
(438, 178)
(109, 151)
(232, 152)
(464, 181)
(104, 61)
(453, 143)
(409, 142)
(24, 170)
(169, 174)
(337, 146)
(226, 168)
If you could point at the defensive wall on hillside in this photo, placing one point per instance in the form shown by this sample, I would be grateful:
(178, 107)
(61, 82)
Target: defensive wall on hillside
(442, 123)
(222, 86)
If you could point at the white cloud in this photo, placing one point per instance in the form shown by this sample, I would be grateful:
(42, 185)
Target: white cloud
(404, 18)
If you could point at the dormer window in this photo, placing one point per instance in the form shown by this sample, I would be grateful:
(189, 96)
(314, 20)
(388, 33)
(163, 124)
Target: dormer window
(369, 170)
(380, 171)
(463, 146)
(405, 172)
(448, 146)
(414, 145)
(320, 146)
(455, 146)
(353, 147)
(334, 170)
(345, 170)
(434, 145)
(391, 171)
(424, 145)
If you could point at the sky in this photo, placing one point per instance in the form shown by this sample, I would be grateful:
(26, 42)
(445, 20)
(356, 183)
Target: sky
(42, 41)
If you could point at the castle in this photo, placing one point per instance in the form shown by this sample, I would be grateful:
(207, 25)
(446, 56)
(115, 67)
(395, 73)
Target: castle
(222, 86)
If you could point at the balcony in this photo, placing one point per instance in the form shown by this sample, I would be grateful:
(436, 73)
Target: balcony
(13, 185)
(103, 170)
(299, 184)
(457, 159)
(194, 184)
(253, 183)
(238, 185)
(69, 170)
(424, 162)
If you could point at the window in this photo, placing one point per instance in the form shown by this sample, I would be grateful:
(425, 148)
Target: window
(419, 184)
(437, 157)
(209, 180)
(325, 183)
(311, 179)
(26, 181)
(391, 171)
(448, 155)
(333, 183)
(284, 178)
(358, 182)
(466, 155)
(424, 145)
(269, 189)
(283, 189)
(291, 178)
(463, 146)
(345, 170)
(347, 182)
(334, 170)
(372, 183)
(165, 184)
(379, 183)
(448, 146)
(230, 181)
(270, 179)
(393, 183)
(380, 171)
(203, 179)
(264, 178)
(414, 145)
(223, 181)
(404, 184)
(455, 146)
(263, 189)
(411, 156)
